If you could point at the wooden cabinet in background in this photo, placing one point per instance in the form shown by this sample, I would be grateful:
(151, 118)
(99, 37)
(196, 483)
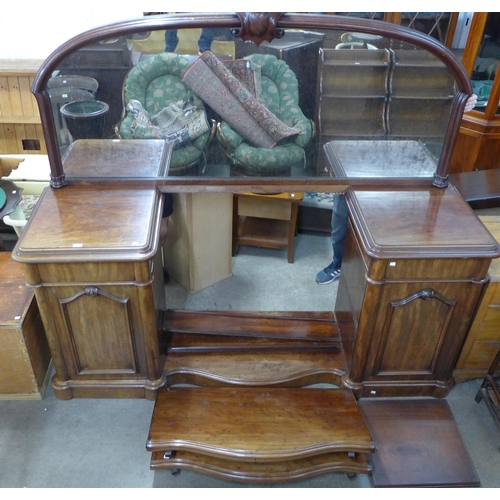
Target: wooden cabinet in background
(483, 341)
(20, 124)
(24, 353)
(478, 142)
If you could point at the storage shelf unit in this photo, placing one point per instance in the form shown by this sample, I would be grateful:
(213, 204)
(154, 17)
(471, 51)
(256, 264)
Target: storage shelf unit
(395, 93)
(20, 124)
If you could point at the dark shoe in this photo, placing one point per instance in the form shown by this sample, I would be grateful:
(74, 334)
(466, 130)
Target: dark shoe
(328, 275)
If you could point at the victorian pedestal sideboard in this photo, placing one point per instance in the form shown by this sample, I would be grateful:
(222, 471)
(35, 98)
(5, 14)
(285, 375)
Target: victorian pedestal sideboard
(414, 269)
(89, 254)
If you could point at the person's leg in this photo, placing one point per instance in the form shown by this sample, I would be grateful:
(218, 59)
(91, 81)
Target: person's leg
(206, 39)
(340, 217)
(168, 208)
(339, 229)
(171, 40)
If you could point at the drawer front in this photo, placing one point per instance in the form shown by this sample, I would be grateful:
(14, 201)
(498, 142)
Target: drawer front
(428, 269)
(270, 208)
(90, 272)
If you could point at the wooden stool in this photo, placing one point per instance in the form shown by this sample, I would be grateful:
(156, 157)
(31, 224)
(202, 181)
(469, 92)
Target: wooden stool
(268, 221)
(24, 352)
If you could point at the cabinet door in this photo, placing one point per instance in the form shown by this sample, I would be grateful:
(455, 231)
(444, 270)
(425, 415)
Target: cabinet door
(414, 331)
(99, 331)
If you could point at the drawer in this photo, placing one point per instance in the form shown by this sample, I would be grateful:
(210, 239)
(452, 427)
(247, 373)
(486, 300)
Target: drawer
(93, 272)
(267, 208)
(427, 269)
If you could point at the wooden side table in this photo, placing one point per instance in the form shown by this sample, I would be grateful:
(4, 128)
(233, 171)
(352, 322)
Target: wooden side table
(268, 221)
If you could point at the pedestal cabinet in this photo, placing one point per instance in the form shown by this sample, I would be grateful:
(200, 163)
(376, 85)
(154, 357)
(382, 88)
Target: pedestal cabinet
(411, 279)
(89, 253)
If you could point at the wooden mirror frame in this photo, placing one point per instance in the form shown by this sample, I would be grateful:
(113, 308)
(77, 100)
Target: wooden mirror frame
(255, 27)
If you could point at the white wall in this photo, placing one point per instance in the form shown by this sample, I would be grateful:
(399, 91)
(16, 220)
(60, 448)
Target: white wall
(30, 30)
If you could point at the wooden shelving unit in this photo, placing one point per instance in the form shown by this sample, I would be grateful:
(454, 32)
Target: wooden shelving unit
(20, 124)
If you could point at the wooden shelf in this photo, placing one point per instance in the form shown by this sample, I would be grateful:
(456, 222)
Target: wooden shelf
(266, 233)
(24, 120)
(277, 349)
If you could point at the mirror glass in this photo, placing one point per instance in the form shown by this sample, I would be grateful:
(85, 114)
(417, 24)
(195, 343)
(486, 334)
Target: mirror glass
(231, 108)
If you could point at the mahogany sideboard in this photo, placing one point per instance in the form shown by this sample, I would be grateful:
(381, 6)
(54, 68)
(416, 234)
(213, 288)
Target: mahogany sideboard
(416, 264)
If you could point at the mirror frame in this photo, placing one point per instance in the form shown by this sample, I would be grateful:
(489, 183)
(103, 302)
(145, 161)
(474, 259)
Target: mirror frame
(256, 27)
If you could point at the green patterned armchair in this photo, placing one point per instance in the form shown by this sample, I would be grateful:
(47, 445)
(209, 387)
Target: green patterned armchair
(157, 83)
(280, 95)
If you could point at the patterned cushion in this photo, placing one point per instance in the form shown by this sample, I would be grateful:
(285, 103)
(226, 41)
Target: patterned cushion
(156, 82)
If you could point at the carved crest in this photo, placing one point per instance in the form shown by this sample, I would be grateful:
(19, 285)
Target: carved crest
(258, 27)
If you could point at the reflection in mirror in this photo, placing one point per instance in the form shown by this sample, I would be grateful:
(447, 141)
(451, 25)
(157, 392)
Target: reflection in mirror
(357, 91)
(487, 61)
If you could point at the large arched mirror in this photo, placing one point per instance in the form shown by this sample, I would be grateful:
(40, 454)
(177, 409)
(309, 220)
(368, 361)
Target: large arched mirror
(253, 99)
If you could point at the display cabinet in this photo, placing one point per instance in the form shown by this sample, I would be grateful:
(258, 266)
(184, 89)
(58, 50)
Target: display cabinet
(478, 144)
(413, 275)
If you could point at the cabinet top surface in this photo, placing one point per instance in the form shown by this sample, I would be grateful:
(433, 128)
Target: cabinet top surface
(421, 223)
(92, 223)
(117, 159)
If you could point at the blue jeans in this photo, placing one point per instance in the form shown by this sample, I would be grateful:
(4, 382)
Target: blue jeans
(339, 228)
(204, 42)
(171, 40)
